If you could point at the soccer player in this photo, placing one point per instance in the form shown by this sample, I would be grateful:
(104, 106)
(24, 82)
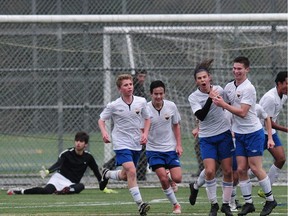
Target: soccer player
(215, 137)
(128, 113)
(69, 169)
(138, 90)
(272, 102)
(164, 145)
(249, 135)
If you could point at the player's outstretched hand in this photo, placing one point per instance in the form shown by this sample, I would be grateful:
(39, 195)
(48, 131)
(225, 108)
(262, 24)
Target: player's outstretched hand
(43, 172)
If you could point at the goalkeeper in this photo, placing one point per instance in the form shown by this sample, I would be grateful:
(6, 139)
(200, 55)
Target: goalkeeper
(69, 169)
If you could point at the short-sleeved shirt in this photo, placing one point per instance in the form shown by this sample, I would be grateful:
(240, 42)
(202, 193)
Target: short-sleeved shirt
(245, 93)
(215, 122)
(261, 114)
(161, 136)
(272, 104)
(127, 118)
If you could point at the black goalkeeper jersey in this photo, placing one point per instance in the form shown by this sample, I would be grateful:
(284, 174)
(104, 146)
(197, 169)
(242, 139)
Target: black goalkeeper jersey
(73, 166)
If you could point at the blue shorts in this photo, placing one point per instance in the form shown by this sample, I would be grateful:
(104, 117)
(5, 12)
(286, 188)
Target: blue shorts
(217, 147)
(275, 139)
(127, 155)
(167, 160)
(249, 145)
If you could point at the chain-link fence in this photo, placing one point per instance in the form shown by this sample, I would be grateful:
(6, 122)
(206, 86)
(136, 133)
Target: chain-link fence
(56, 78)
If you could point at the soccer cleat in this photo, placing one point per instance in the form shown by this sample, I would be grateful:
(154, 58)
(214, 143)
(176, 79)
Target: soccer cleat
(238, 205)
(246, 208)
(15, 191)
(65, 190)
(104, 181)
(143, 208)
(268, 207)
(225, 208)
(10, 192)
(176, 209)
(261, 194)
(214, 209)
(233, 207)
(193, 194)
(109, 191)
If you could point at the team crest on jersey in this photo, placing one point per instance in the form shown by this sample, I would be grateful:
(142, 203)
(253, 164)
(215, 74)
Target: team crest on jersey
(137, 111)
(238, 94)
(166, 116)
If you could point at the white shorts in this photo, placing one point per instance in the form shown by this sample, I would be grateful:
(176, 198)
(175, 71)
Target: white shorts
(59, 181)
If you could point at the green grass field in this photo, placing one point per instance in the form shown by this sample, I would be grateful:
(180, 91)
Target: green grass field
(95, 202)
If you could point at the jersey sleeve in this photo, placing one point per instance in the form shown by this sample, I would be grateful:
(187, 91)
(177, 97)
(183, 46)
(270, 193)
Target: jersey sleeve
(94, 167)
(268, 105)
(107, 112)
(247, 97)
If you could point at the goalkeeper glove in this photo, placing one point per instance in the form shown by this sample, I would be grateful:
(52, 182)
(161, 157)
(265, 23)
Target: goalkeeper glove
(44, 172)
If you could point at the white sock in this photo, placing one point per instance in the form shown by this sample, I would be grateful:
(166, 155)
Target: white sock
(251, 174)
(170, 195)
(233, 194)
(113, 174)
(246, 190)
(273, 173)
(266, 187)
(135, 193)
(211, 188)
(227, 188)
(200, 180)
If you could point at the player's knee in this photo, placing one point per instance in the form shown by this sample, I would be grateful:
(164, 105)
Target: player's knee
(49, 189)
(279, 163)
(78, 187)
(209, 173)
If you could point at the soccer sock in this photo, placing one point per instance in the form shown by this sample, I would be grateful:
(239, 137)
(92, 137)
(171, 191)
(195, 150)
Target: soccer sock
(273, 173)
(211, 189)
(266, 187)
(135, 193)
(246, 189)
(251, 174)
(170, 195)
(113, 174)
(227, 188)
(233, 194)
(200, 180)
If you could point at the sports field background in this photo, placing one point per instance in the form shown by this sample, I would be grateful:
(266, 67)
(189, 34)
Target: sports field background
(94, 202)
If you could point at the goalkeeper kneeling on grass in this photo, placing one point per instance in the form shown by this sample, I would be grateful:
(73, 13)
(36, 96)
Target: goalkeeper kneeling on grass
(69, 169)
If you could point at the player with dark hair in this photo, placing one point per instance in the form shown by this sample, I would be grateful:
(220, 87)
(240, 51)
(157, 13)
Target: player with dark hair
(240, 100)
(164, 145)
(69, 169)
(272, 102)
(215, 138)
(138, 81)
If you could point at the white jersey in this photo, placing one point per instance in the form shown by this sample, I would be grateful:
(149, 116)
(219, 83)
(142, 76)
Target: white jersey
(245, 93)
(272, 104)
(126, 133)
(215, 122)
(161, 136)
(261, 114)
